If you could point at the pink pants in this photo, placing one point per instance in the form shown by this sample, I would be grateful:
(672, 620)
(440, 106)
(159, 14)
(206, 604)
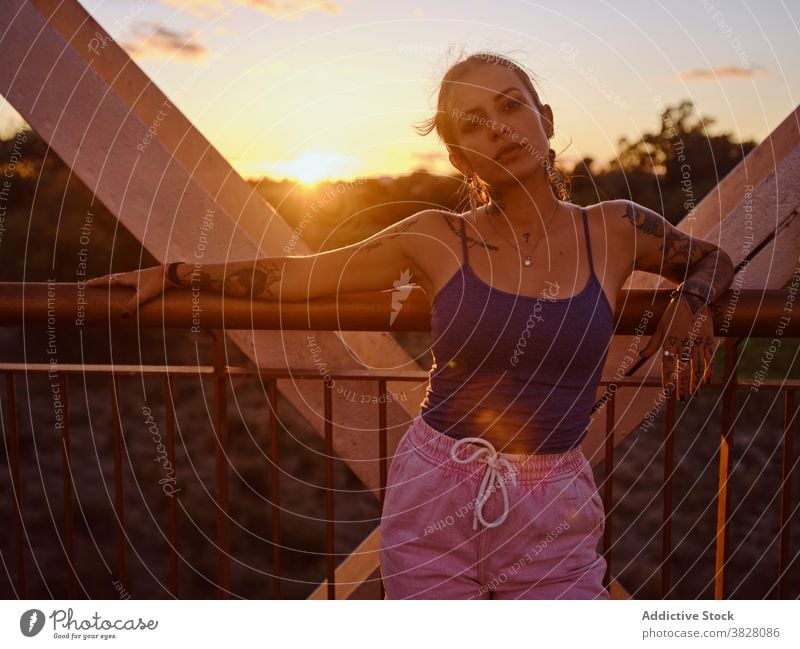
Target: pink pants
(461, 521)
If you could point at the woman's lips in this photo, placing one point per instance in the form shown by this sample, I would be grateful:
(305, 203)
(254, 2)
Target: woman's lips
(508, 153)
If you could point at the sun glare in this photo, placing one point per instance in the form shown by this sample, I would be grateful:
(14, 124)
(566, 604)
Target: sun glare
(312, 166)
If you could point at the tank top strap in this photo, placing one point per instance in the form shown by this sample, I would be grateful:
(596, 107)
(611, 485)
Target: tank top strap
(588, 241)
(464, 259)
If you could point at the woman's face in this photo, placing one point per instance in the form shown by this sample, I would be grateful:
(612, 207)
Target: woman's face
(500, 134)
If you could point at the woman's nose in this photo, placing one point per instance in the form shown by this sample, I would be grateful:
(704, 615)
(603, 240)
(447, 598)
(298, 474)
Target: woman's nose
(499, 129)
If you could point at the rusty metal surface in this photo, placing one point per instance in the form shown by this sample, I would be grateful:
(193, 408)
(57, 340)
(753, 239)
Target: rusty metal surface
(752, 312)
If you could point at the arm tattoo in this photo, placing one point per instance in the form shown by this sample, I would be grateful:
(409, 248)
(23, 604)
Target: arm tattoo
(702, 267)
(710, 277)
(254, 282)
(694, 303)
(242, 279)
(183, 272)
(678, 251)
(456, 229)
(398, 230)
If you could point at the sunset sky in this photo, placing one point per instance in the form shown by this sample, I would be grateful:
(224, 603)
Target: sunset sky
(309, 90)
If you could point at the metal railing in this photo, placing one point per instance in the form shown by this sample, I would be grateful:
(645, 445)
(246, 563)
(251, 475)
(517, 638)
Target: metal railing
(755, 314)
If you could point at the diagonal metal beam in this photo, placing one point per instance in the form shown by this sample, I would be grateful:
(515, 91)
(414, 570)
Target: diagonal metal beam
(164, 181)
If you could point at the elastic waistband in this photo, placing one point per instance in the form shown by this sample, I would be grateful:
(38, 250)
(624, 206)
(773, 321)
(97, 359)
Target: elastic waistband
(530, 468)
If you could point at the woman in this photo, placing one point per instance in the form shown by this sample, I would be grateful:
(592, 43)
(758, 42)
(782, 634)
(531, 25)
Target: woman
(489, 494)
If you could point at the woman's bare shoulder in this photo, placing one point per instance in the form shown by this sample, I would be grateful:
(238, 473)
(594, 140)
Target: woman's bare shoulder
(610, 217)
(438, 223)
(437, 216)
(427, 223)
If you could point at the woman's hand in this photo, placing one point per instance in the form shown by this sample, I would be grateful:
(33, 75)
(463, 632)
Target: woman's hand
(148, 282)
(686, 331)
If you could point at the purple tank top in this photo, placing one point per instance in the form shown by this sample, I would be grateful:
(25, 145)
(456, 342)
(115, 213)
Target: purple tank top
(519, 371)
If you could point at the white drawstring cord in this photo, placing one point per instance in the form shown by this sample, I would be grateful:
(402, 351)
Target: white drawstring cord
(492, 474)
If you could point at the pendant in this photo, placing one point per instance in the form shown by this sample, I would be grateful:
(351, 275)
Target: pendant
(527, 261)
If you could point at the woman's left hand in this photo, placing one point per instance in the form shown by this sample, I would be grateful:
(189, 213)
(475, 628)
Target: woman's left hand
(686, 330)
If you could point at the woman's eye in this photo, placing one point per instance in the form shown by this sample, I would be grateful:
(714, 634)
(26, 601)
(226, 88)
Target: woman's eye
(513, 104)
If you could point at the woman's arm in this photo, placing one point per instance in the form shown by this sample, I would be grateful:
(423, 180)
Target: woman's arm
(704, 271)
(373, 264)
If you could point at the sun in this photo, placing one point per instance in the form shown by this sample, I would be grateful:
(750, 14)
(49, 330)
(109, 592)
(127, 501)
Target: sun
(312, 166)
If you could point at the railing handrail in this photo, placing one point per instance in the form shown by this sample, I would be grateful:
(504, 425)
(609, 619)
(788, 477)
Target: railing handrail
(746, 312)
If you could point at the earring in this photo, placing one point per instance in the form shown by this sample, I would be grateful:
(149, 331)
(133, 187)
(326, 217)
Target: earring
(549, 163)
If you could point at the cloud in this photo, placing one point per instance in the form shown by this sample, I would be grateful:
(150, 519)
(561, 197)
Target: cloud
(284, 7)
(153, 40)
(199, 8)
(735, 71)
(293, 9)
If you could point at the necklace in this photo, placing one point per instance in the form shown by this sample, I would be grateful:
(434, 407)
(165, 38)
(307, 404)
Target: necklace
(527, 261)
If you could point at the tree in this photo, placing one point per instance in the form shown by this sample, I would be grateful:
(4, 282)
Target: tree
(669, 170)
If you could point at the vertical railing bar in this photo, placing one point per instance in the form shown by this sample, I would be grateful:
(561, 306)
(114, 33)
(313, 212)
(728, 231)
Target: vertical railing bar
(787, 471)
(726, 446)
(382, 460)
(608, 485)
(16, 490)
(69, 535)
(666, 511)
(383, 399)
(221, 464)
(275, 488)
(330, 539)
(119, 505)
(172, 507)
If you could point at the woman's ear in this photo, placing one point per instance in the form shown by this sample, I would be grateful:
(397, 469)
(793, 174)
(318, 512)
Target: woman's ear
(458, 162)
(547, 116)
